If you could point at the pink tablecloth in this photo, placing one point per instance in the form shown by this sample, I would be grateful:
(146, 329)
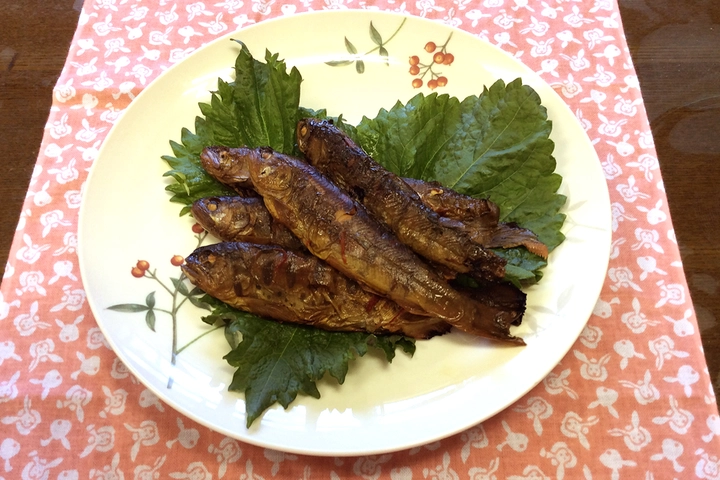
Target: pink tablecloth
(632, 399)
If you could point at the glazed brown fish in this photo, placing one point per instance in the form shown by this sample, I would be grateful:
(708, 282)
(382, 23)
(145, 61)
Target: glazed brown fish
(394, 203)
(297, 287)
(479, 218)
(337, 229)
(242, 219)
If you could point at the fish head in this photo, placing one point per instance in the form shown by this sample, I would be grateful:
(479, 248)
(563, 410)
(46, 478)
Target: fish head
(304, 132)
(274, 174)
(207, 211)
(227, 165)
(212, 211)
(316, 138)
(226, 217)
(209, 268)
(310, 134)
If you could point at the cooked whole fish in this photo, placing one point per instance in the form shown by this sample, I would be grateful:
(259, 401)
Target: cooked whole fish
(394, 203)
(478, 218)
(297, 287)
(242, 219)
(337, 229)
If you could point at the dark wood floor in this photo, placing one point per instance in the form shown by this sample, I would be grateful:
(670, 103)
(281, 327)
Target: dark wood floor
(674, 44)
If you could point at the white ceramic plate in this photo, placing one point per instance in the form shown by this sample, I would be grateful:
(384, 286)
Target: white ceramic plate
(453, 382)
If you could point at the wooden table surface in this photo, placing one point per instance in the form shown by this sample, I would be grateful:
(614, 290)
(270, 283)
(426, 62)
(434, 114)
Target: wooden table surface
(674, 44)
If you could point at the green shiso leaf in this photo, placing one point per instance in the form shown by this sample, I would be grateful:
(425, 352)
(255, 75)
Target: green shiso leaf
(492, 145)
(409, 138)
(276, 361)
(496, 145)
(259, 108)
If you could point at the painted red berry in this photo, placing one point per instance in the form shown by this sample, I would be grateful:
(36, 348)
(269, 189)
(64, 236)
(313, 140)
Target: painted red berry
(177, 260)
(449, 59)
(137, 272)
(430, 47)
(439, 57)
(197, 228)
(432, 84)
(414, 60)
(414, 70)
(417, 83)
(442, 81)
(142, 265)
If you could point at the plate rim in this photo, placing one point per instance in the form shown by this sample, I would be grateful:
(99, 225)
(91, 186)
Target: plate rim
(138, 100)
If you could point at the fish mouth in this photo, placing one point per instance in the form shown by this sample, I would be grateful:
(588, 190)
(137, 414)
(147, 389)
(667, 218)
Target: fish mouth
(190, 272)
(197, 265)
(202, 211)
(225, 165)
(193, 269)
(213, 158)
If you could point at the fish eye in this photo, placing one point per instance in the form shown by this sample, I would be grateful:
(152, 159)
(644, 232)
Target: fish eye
(303, 130)
(224, 158)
